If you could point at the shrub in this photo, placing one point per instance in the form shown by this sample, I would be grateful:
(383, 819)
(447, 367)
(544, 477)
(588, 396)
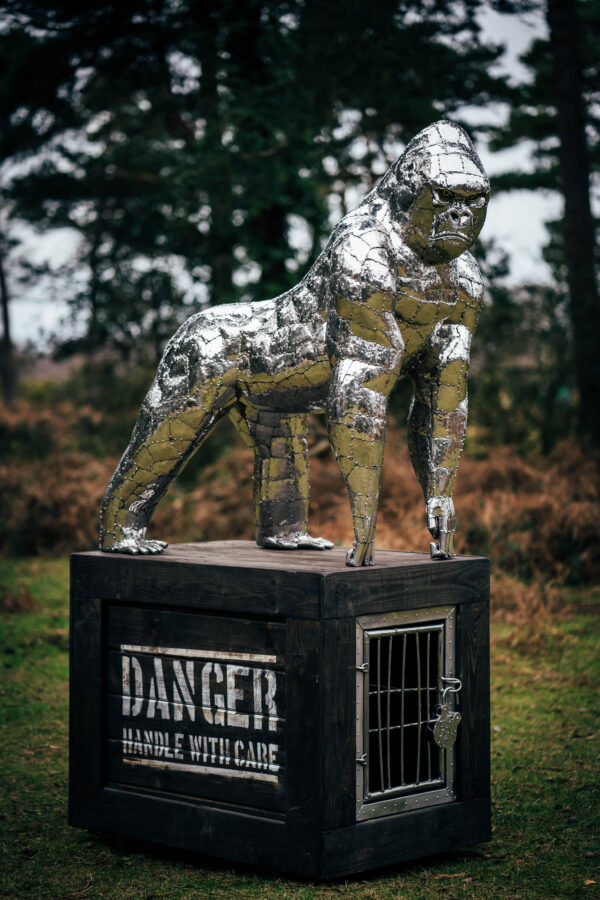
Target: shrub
(535, 518)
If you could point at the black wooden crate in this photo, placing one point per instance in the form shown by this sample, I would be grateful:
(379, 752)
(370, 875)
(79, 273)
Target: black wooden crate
(216, 704)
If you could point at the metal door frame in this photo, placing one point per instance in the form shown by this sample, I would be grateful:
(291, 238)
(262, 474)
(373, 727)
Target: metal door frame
(406, 796)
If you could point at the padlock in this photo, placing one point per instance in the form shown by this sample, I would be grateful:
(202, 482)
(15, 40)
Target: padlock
(444, 730)
(447, 722)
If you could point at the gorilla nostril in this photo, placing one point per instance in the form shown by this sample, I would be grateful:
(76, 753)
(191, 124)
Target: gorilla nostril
(454, 218)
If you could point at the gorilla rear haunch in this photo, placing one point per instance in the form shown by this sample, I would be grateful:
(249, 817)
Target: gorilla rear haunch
(393, 293)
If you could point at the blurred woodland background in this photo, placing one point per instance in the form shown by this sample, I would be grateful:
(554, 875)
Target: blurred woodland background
(199, 152)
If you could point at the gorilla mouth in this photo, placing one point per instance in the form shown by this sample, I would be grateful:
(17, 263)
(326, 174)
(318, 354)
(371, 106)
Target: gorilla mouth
(451, 235)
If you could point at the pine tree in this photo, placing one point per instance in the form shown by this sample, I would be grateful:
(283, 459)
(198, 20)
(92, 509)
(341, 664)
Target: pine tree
(192, 142)
(558, 110)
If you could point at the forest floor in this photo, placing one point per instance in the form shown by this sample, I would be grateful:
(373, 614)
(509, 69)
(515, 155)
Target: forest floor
(545, 675)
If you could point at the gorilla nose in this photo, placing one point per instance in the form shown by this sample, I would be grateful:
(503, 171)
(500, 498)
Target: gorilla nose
(459, 217)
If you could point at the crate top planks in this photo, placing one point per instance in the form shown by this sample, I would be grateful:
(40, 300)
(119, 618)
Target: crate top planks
(238, 576)
(278, 708)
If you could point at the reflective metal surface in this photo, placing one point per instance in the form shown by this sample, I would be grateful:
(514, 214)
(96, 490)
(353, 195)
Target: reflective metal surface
(393, 293)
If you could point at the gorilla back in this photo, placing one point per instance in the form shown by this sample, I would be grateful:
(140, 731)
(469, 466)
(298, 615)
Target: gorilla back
(393, 293)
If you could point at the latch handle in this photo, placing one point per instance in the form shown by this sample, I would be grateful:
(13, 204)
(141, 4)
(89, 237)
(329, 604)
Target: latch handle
(452, 686)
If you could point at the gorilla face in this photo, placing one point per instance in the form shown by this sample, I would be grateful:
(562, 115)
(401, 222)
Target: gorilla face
(444, 221)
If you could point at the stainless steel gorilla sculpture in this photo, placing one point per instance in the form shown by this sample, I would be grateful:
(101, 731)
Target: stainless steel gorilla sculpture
(393, 293)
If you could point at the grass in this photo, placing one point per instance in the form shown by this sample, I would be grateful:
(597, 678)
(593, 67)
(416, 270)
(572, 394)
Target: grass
(544, 770)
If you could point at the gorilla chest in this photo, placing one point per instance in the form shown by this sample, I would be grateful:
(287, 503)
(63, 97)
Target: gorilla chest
(423, 299)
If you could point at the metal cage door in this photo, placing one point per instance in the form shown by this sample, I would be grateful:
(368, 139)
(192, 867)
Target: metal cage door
(405, 717)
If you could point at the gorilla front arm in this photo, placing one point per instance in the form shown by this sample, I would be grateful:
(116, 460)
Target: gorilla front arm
(437, 424)
(357, 424)
(366, 350)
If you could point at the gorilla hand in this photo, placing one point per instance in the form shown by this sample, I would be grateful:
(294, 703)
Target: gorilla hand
(361, 552)
(441, 522)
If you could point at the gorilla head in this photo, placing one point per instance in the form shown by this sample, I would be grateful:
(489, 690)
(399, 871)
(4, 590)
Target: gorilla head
(438, 191)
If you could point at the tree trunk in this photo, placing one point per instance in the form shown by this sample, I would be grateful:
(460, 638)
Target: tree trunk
(221, 238)
(271, 228)
(8, 369)
(579, 236)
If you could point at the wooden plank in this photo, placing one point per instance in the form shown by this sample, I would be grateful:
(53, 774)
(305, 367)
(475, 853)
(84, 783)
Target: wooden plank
(409, 835)
(206, 830)
(196, 698)
(223, 680)
(337, 723)
(85, 718)
(389, 589)
(191, 721)
(246, 554)
(302, 736)
(172, 628)
(170, 582)
(246, 793)
(473, 666)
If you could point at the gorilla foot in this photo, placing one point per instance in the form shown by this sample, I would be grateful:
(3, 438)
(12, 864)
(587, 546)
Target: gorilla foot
(134, 542)
(361, 552)
(297, 540)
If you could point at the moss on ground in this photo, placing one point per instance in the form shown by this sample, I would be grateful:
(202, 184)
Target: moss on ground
(544, 770)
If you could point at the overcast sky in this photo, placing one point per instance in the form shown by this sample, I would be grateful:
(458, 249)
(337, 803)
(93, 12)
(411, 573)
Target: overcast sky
(515, 220)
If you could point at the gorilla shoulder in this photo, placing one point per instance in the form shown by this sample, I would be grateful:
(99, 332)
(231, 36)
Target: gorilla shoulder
(469, 277)
(361, 258)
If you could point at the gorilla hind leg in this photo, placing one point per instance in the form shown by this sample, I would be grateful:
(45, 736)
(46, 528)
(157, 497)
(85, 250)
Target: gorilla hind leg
(281, 487)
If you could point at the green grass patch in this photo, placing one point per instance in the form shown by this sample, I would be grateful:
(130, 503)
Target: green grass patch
(544, 770)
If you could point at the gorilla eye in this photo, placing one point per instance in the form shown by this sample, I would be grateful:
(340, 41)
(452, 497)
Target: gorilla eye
(443, 196)
(477, 201)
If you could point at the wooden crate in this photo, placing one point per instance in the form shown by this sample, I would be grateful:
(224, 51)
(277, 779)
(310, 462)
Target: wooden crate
(214, 694)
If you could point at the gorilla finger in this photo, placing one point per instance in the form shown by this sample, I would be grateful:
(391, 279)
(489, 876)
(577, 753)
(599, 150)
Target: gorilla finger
(433, 524)
(325, 544)
(280, 544)
(351, 557)
(435, 551)
(447, 543)
(361, 554)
